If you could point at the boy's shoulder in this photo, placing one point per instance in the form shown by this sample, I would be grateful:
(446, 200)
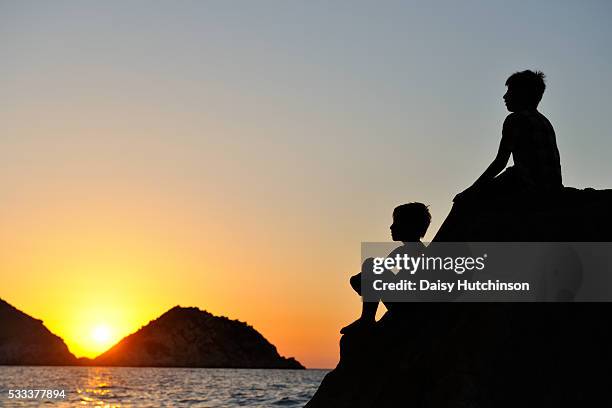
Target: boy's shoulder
(410, 248)
(527, 119)
(517, 119)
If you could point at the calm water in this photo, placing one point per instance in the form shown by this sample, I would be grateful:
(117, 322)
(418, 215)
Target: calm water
(157, 387)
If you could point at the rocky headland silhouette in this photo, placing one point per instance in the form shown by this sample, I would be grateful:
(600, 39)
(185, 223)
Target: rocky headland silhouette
(26, 341)
(190, 337)
(181, 337)
(488, 354)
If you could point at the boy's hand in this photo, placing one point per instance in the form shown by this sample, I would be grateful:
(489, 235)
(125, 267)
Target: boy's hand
(458, 197)
(461, 195)
(466, 193)
(358, 325)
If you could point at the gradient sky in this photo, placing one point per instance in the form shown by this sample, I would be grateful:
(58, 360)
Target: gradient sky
(233, 155)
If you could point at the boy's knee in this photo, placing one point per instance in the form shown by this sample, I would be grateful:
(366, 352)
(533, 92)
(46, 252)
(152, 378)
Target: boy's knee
(355, 282)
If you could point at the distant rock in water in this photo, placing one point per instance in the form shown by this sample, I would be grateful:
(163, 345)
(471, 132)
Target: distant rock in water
(190, 337)
(26, 341)
(488, 354)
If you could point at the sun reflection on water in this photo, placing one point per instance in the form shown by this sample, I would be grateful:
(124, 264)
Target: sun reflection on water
(98, 389)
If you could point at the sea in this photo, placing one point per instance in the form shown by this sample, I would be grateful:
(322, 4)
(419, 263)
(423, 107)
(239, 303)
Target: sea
(155, 387)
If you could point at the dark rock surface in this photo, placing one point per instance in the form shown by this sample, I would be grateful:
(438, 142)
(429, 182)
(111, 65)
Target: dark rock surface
(488, 354)
(571, 215)
(189, 337)
(26, 341)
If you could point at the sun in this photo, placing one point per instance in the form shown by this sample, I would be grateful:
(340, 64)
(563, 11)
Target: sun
(101, 335)
(96, 337)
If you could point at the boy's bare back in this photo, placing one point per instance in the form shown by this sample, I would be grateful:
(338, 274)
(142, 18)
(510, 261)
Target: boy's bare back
(531, 139)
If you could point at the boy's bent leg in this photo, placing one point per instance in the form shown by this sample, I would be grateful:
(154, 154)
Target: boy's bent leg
(355, 282)
(368, 310)
(365, 321)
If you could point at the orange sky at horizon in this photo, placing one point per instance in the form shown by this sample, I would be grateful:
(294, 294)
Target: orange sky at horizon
(89, 276)
(97, 262)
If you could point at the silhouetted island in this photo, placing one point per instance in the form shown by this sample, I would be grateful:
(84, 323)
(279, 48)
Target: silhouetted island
(488, 354)
(24, 340)
(181, 337)
(190, 337)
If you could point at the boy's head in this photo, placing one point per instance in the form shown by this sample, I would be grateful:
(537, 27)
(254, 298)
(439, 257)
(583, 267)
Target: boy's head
(410, 222)
(525, 90)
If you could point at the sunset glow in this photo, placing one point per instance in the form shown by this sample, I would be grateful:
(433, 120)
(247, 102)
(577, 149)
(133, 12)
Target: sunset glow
(101, 335)
(233, 159)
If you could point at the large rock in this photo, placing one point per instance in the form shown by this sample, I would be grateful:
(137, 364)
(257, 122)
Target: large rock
(488, 354)
(571, 215)
(26, 341)
(189, 337)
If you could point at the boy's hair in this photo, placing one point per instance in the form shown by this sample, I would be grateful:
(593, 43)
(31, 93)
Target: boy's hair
(530, 83)
(417, 214)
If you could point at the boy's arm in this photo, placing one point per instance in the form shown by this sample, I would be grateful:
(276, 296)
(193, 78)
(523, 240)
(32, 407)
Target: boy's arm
(509, 131)
(502, 157)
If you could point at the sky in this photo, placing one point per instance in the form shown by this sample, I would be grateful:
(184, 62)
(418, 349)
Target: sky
(233, 155)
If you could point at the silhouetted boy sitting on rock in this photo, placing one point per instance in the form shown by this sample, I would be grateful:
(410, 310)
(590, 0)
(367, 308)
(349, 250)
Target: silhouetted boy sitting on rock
(410, 223)
(530, 138)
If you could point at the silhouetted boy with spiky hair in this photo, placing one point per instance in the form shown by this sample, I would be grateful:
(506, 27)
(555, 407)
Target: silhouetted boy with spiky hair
(529, 137)
(410, 223)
